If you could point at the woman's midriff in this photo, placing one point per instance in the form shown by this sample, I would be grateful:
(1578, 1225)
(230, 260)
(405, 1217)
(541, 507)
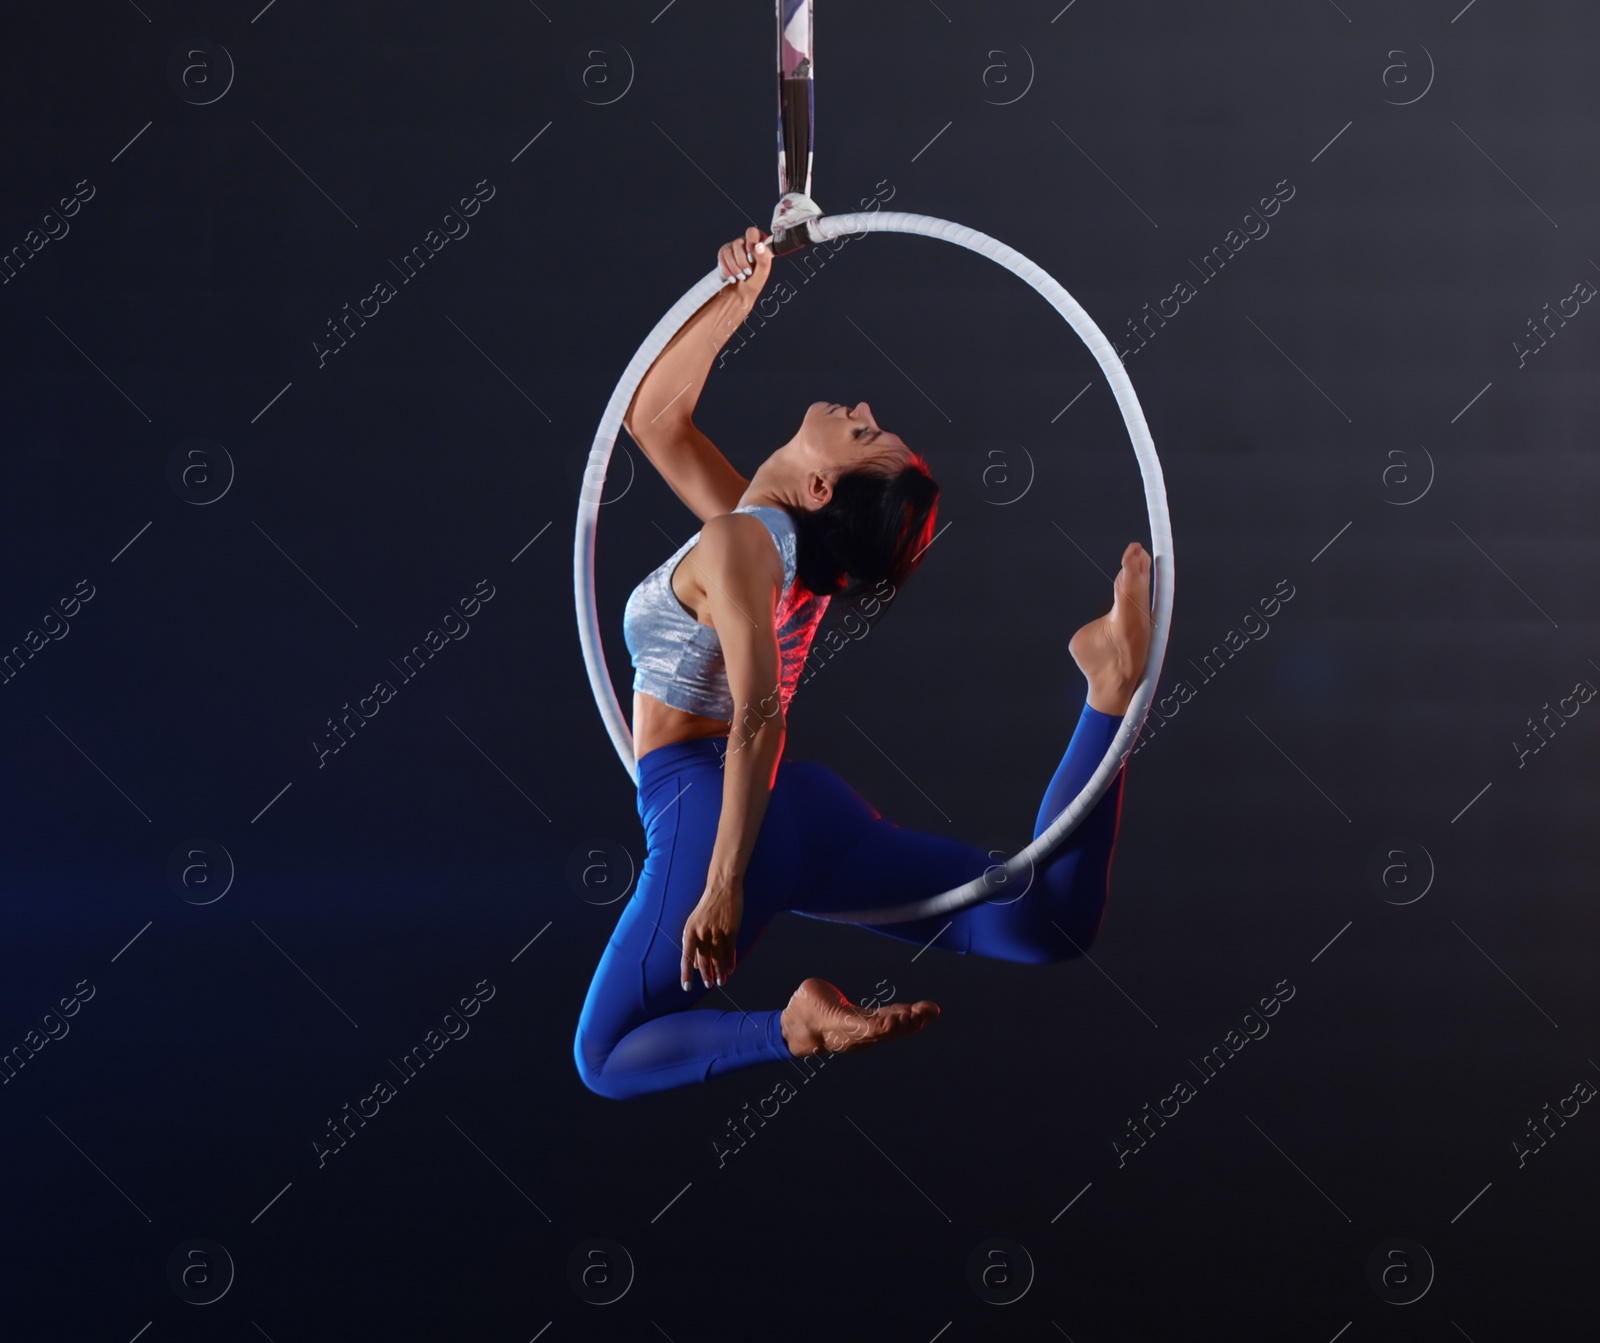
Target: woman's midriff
(657, 724)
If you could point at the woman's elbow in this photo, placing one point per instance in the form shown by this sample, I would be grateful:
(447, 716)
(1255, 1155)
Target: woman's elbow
(753, 724)
(757, 722)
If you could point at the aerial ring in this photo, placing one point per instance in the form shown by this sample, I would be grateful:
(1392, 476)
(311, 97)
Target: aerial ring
(1155, 494)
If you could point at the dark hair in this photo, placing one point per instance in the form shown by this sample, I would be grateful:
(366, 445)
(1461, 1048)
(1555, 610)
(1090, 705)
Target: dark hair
(875, 526)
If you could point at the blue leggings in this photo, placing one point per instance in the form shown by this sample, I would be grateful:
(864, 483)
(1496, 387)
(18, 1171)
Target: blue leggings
(822, 848)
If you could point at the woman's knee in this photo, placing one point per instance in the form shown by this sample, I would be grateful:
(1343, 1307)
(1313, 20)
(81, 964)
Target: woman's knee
(591, 1070)
(1051, 930)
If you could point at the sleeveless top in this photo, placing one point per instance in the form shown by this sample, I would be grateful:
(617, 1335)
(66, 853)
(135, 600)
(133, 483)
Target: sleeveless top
(679, 661)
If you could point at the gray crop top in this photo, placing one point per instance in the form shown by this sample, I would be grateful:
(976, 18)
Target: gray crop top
(679, 661)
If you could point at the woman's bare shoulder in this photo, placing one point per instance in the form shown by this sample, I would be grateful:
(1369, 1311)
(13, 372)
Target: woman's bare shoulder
(739, 543)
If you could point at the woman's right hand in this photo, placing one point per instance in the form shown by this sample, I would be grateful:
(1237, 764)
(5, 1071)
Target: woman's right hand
(746, 261)
(711, 932)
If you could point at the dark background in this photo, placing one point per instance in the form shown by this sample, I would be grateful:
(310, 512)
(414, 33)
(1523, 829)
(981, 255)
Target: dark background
(1301, 402)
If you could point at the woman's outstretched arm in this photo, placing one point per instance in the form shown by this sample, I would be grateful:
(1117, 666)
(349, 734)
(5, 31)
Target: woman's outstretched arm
(661, 418)
(743, 576)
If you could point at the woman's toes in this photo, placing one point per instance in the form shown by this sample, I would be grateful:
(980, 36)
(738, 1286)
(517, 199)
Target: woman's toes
(1132, 587)
(1111, 650)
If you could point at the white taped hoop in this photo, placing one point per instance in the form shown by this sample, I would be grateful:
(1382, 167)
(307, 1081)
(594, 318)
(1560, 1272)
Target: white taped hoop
(998, 878)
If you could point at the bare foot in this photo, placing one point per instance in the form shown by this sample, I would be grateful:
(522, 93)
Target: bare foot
(819, 1017)
(1112, 649)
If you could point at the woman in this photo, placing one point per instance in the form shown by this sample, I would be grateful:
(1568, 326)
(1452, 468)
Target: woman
(718, 635)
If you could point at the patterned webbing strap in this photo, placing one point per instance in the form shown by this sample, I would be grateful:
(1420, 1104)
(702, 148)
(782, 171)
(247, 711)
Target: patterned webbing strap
(796, 127)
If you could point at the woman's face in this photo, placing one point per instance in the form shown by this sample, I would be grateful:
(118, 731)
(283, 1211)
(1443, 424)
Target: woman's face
(835, 438)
